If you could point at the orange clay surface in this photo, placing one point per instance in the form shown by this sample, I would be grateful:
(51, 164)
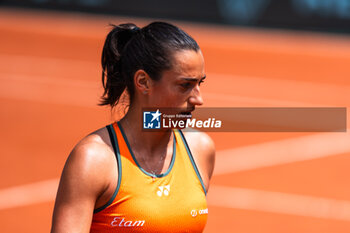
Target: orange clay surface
(50, 85)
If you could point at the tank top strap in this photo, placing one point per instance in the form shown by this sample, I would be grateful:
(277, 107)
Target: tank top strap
(114, 142)
(183, 145)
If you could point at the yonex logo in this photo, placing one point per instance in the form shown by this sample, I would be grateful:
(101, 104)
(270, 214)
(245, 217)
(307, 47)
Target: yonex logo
(163, 190)
(151, 120)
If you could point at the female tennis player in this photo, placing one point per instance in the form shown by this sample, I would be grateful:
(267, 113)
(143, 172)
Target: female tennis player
(123, 179)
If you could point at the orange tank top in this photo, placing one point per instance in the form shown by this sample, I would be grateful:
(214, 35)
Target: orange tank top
(174, 201)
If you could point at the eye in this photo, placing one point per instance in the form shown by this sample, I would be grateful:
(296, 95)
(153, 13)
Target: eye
(185, 85)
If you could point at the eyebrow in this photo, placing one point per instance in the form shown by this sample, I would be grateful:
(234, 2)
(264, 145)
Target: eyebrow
(193, 79)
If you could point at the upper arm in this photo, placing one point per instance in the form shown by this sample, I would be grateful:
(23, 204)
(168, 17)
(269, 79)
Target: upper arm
(82, 182)
(203, 151)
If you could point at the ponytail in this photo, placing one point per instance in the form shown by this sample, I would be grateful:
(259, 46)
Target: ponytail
(113, 80)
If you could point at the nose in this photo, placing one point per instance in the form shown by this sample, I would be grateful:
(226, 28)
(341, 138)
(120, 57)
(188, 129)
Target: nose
(196, 97)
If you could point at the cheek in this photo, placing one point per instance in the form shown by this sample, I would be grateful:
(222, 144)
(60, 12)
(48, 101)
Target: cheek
(169, 98)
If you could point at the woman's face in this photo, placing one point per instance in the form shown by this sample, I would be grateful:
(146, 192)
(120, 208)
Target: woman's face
(180, 86)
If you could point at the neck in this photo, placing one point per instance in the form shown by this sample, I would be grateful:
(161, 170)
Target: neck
(152, 142)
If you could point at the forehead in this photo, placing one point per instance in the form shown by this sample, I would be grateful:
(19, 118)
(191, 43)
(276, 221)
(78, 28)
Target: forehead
(188, 63)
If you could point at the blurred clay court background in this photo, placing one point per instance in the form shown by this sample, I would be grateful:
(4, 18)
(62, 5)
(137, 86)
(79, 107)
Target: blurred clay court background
(262, 53)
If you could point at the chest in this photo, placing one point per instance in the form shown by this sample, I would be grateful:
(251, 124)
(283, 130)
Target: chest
(168, 204)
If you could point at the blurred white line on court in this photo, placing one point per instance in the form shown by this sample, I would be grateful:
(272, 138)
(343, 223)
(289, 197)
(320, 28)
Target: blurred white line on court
(281, 203)
(23, 195)
(281, 152)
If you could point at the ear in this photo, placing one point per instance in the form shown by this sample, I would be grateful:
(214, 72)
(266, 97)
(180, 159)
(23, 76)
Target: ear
(142, 81)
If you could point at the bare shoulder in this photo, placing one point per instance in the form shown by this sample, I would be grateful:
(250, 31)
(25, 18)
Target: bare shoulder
(200, 141)
(93, 150)
(203, 151)
(83, 184)
(90, 163)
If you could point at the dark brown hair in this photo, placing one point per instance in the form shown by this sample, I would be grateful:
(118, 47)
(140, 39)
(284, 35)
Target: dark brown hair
(128, 48)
